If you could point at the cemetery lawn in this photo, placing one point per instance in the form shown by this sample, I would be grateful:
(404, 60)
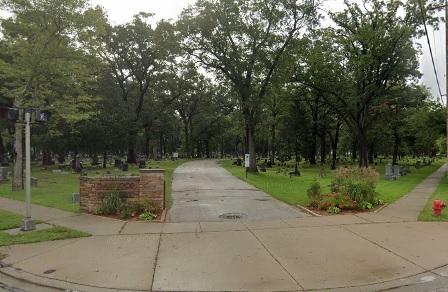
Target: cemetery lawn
(440, 193)
(55, 189)
(293, 190)
(10, 220)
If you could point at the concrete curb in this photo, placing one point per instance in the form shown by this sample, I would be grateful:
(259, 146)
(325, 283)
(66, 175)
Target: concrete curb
(306, 210)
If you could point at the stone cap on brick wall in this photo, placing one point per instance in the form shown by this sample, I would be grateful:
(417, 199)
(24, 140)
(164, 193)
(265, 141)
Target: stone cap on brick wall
(152, 170)
(109, 178)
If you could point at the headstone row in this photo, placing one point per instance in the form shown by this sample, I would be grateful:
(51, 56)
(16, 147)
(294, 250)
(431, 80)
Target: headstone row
(393, 172)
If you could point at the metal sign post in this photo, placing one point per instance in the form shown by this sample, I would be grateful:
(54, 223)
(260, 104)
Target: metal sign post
(28, 223)
(246, 162)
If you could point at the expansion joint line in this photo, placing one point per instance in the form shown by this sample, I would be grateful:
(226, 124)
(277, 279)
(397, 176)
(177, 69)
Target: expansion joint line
(272, 255)
(382, 247)
(155, 262)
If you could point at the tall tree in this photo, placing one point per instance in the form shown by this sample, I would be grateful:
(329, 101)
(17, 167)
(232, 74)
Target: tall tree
(135, 53)
(40, 36)
(244, 41)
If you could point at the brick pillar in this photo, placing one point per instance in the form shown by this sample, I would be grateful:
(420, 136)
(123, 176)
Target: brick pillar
(152, 186)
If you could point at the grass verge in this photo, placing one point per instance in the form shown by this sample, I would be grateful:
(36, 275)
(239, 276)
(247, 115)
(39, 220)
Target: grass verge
(55, 189)
(10, 220)
(440, 193)
(293, 190)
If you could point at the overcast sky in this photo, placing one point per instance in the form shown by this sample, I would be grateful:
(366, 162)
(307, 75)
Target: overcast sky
(120, 11)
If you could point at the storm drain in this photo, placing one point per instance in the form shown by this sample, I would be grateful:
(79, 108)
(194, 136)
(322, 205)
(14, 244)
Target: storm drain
(262, 200)
(233, 216)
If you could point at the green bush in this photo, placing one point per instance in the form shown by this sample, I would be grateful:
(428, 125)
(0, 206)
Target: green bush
(111, 205)
(359, 183)
(314, 194)
(339, 200)
(114, 204)
(147, 216)
(334, 210)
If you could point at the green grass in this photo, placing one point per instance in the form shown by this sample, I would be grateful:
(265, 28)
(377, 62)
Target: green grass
(293, 190)
(440, 193)
(55, 190)
(10, 220)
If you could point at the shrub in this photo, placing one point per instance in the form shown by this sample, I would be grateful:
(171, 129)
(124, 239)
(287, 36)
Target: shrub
(111, 205)
(314, 194)
(340, 200)
(150, 206)
(334, 210)
(359, 183)
(147, 216)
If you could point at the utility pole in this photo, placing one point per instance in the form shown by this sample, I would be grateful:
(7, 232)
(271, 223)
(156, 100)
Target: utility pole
(446, 72)
(28, 223)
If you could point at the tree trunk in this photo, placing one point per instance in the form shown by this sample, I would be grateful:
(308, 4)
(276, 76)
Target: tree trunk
(162, 145)
(363, 147)
(46, 157)
(132, 155)
(334, 146)
(371, 153)
(273, 144)
(17, 182)
(2, 150)
(187, 140)
(104, 159)
(355, 148)
(313, 149)
(147, 141)
(323, 148)
(396, 148)
(61, 158)
(207, 148)
(252, 153)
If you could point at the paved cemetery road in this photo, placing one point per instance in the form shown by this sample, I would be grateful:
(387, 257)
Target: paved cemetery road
(204, 191)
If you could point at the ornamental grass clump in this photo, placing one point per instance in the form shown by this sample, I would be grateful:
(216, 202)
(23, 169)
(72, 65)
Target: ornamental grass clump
(358, 182)
(314, 194)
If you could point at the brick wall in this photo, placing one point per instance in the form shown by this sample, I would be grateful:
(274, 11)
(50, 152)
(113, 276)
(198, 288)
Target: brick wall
(150, 185)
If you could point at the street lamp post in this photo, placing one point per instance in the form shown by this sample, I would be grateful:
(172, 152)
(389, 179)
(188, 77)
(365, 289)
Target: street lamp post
(28, 224)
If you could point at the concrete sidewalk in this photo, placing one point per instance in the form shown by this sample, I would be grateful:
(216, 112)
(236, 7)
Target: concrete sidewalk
(364, 252)
(277, 255)
(95, 225)
(410, 206)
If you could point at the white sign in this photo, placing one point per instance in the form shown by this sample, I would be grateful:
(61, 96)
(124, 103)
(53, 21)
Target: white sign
(175, 155)
(247, 160)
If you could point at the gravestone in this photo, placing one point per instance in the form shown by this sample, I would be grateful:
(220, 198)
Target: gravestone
(118, 163)
(239, 162)
(142, 164)
(404, 170)
(75, 198)
(396, 171)
(3, 174)
(388, 172)
(418, 164)
(34, 182)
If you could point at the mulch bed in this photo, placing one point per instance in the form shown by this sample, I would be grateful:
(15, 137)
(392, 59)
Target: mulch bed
(343, 212)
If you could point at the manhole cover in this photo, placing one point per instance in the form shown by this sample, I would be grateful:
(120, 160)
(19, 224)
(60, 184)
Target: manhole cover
(233, 216)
